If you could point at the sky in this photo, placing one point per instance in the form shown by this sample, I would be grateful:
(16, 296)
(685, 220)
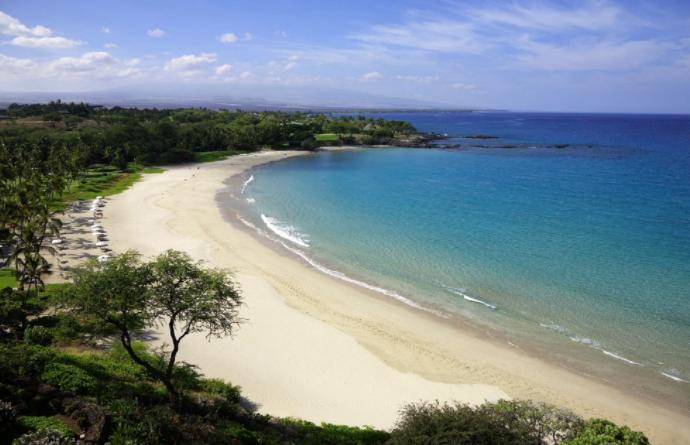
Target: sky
(587, 55)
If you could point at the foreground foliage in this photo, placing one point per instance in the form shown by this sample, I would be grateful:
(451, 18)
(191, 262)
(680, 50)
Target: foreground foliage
(170, 290)
(71, 370)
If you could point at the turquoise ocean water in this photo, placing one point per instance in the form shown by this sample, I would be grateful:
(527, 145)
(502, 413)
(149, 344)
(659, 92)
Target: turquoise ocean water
(581, 252)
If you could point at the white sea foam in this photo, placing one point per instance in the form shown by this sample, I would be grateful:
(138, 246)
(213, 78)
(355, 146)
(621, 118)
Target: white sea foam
(621, 358)
(246, 183)
(461, 292)
(585, 341)
(337, 274)
(675, 378)
(554, 327)
(284, 231)
(251, 200)
(341, 276)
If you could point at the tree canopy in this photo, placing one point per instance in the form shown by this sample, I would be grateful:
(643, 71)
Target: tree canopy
(170, 290)
(121, 135)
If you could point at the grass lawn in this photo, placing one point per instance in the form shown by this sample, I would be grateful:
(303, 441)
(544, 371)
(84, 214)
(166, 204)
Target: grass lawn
(7, 278)
(326, 137)
(105, 181)
(100, 181)
(211, 156)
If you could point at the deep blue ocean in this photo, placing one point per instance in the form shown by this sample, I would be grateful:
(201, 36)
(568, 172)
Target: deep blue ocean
(568, 233)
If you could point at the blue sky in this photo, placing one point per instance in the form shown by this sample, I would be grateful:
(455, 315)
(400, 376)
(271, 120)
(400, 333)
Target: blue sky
(590, 55)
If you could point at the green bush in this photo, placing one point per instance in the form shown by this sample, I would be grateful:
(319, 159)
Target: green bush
(218, 387)
(44, 437)
(38, 335)
(604, 432)
(69, 378)
(538, 421)
(39, 423)
(326, 433)
(505, 422)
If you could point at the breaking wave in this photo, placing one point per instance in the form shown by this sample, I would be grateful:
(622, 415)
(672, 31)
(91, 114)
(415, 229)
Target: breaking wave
(460, 292)
(246, 183)
(285, 231)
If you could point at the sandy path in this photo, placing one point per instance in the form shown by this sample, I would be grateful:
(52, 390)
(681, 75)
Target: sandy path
(317, 348)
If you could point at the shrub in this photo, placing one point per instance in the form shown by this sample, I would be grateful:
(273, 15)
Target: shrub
(218, 387)
(604, 432)
(44, 437)
(457, 424)
(326, 433)
(38, 335)
(504, 422)
(538, 421)
(38, 423)
(69, 378)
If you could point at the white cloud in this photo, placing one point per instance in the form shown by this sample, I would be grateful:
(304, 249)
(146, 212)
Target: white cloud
(13, 27)
(246, 75)
(36, 37)
(105, 30)
(15, 66)
(464, 86)
(86, 62)
(420, 79)
(224, 70)
(110, 45)
(44, 42)
(590, 15)
(228, 37)
(190, 62)
(373, 75)
(588, 56)
(430, 35)
(248, 36)
(90, 65)
(156, 33)
(292, 62)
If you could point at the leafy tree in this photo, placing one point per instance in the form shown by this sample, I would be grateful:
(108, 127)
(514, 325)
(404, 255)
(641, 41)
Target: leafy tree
(538, 420)
(604, 432)
(32, 177)
(504, 422)
(171, 289)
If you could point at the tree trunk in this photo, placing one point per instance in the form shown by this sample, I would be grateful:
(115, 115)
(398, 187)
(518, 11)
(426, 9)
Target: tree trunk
(173, 394)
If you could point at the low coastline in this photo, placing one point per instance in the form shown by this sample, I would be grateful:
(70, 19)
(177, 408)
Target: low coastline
(178, 209)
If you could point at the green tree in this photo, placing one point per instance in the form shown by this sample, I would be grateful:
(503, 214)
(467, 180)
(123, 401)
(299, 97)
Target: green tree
(504, 422)
(604, 432)
(171, 290)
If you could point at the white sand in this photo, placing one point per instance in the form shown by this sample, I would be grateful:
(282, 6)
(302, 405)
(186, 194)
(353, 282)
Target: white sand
(316, 348)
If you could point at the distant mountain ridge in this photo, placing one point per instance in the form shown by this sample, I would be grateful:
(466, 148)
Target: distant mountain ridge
(249, 97)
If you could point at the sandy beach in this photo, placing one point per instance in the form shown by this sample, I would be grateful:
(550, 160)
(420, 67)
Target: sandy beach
(321, 349)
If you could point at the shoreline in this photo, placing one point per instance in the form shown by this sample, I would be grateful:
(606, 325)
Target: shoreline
(586, 362)
(178, 209)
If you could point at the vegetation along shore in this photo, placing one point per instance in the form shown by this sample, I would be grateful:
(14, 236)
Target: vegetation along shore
(131, 312)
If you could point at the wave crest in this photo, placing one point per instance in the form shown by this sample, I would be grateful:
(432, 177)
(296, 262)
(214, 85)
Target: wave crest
(246, 183)
(461, 293)
(285, 231)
